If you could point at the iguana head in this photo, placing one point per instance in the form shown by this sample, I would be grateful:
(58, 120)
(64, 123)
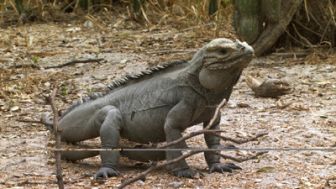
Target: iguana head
(220, 62)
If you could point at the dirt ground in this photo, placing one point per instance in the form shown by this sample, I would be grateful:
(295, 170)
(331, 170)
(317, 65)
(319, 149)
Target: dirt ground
(305, 118)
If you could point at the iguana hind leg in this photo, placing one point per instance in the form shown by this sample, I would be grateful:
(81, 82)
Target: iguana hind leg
(105, 123)
(110, 136)
(74, 130)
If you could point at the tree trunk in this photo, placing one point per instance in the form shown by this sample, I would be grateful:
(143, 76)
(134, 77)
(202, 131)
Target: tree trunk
(274, 30)
(246, 19)
(307, 24)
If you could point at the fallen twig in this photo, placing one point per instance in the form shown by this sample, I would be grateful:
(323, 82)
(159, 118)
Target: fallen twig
(57, 132)
(28, 120)
(239, 141)
(291, 54)
(25, 66)
(240, 159)
(98, 60)
(143, 174)
(36, 66)
(169, 51)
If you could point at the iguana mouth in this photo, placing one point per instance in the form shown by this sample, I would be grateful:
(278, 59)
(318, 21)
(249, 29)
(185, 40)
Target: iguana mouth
(240, 60)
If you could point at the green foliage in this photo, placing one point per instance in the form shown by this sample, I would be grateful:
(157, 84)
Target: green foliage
(246, 19)
(19, 6)
(213, 7)
(137, 4)
(85, 4)
(27, 11)
(271, 9)
(64, 90)
(35, 59)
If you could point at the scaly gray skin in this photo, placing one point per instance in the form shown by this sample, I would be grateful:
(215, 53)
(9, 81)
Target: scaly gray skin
(158, 107)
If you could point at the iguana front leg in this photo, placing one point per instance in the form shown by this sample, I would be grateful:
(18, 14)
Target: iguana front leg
(212, 159)
(109, 136)
(177, 120)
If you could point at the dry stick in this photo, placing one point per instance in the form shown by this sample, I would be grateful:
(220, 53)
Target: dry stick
(28, 120)
(240, 159)
(306, 28)
(242, 141)
(57, 132)
(291, 54)
(25, 66)
(157, 166)
(223, 148)
(98, 60)
(325, 30)
(171, 51)
(161, 148)
(308, 43)
(143, 174)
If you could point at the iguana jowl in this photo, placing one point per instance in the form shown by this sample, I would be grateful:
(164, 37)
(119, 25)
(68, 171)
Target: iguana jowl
(158, 106)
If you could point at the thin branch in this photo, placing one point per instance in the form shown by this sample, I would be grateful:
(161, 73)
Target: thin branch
(28, 120)
(25, 66)
(307, 28)
(292, 54)
(154, 167)
(261, 149)
(308, 43)
(190, 135)
(216, 114)
(98, 60)
(239, 141)
(143, 174)
(240, 159)
(57, 132)
(169, 51)
(36, 66)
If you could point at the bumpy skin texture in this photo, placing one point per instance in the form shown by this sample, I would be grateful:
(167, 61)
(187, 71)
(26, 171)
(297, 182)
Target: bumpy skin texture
(159, 108)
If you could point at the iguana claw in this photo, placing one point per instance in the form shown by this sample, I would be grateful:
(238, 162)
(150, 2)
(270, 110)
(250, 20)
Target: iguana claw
(223, 167)
(105, 172)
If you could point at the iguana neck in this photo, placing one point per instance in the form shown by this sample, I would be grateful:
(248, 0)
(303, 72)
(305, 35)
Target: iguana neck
(212, 97)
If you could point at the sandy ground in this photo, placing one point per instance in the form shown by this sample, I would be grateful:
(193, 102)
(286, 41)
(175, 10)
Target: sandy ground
(305, 118)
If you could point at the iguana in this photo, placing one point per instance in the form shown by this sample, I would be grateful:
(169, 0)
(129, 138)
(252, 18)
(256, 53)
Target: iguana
(157, 105)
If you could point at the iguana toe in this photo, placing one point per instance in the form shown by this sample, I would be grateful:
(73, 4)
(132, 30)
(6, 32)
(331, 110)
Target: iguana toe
(105, 172)
(186, 172)
(223, 167)
(233, 166)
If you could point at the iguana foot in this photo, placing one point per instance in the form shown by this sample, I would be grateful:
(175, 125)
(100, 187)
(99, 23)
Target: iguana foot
(223, 167)
(105, 172)
(185, 172)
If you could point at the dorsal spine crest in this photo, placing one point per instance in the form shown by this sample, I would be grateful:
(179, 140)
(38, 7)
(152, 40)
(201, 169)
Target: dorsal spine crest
(122, 82)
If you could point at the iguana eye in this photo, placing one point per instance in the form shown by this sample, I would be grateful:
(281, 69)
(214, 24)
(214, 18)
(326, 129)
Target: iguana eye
(223, 51)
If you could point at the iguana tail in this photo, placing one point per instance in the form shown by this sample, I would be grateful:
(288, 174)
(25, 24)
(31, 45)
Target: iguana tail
(47, 121)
